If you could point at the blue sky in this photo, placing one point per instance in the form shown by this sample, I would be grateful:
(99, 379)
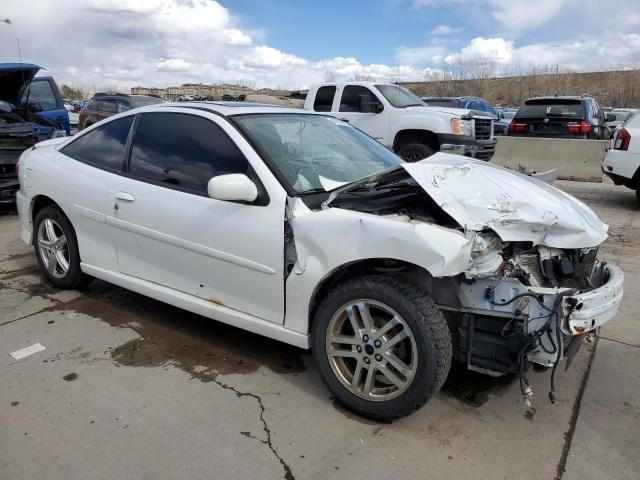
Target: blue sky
(284, 43)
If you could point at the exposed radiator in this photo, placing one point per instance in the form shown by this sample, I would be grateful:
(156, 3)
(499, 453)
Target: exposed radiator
(530, 263)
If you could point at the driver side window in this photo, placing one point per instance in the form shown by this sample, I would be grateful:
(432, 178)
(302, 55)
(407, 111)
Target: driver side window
(353, 98)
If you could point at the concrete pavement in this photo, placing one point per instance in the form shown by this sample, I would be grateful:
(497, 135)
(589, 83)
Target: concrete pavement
(131, 388)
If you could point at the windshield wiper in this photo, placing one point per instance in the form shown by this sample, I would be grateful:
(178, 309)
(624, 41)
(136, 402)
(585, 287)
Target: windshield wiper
(312, 191)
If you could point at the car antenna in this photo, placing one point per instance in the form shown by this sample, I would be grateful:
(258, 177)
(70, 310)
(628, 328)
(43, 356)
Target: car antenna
(26, 102)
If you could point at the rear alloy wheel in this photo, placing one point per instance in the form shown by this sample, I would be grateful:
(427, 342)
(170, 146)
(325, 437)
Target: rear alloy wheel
(56, 249)
(414, 152)
(382, 346)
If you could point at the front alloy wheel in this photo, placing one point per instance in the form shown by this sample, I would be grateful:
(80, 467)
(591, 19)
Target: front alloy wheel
(382, 345)
(371, 350)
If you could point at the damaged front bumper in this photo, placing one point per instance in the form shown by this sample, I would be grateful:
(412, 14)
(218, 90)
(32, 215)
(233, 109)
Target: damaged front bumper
(587, 311)
(503, 315)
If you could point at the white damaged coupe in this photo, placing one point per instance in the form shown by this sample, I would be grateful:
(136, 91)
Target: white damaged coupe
(300, 227)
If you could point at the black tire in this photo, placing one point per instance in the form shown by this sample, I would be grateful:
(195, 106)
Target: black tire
(424, 319)
(413, 152)
(74, 278)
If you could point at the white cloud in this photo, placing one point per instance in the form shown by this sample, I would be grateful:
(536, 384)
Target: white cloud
(609, 51)
(444, 30)
(498, 50)
(169, 42)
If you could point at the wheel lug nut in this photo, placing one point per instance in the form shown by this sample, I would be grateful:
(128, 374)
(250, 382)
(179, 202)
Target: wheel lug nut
(366, 360)
(377, 343)
(365, 338)
(359, 349)
(378, 357)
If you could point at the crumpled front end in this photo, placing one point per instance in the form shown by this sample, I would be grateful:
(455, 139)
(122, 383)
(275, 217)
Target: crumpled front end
(536, 307)
(522, 283)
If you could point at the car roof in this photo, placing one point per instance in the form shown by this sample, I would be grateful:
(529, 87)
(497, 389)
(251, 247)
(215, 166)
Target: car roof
(228, 108)
(560, 97)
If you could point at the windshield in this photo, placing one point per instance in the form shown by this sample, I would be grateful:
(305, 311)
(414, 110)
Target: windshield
(399, 96)
(315, 151)
(542, 108)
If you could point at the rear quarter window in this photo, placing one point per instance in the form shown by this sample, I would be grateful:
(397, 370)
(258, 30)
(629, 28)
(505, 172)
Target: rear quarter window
(103, 147)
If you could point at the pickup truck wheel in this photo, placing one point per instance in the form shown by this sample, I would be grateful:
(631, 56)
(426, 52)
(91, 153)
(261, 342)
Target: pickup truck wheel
(412, 152)
(382, 346)
(56, 248)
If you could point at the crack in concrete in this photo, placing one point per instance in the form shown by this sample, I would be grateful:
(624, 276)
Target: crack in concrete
(202, 376)
(560, 469)
(288, 474)
(620, 342)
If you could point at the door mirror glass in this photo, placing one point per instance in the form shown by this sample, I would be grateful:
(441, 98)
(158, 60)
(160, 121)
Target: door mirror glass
(234, 187)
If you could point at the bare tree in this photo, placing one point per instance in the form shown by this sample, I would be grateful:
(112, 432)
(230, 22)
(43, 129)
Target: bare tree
(361, 77)
(329, 76)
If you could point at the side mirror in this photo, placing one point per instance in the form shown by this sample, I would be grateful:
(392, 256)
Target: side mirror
(609, 118)
(234, 187)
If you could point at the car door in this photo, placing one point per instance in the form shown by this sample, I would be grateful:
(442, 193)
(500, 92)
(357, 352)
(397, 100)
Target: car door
(92, 166)
(168, 231)
(364, 110)
(46, 102)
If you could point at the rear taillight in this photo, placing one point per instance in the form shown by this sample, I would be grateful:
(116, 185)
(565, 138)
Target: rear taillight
(579, 128)
(622, 140)
(516, 127)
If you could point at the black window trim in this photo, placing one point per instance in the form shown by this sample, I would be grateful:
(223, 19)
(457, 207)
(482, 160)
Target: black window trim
(333, 97)
(263, 198)
(361, 86)
(91, 164)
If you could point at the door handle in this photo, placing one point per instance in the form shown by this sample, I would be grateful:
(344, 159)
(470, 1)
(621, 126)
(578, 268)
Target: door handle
(125, 197)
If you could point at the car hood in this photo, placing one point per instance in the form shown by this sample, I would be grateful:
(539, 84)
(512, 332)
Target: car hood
(481, 196)
(13, 78)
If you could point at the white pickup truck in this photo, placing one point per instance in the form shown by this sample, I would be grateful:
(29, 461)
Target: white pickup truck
(400, 120)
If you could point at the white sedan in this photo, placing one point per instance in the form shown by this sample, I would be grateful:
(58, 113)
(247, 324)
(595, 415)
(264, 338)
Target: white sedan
(622, 162)
(300, 227)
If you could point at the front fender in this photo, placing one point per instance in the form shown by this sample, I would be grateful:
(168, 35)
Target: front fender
(331, 238)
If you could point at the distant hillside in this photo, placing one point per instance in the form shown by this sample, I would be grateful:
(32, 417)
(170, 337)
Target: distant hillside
(619, 88)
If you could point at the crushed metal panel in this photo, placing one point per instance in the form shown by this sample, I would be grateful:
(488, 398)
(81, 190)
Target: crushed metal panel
(480, 195)
(331, 238)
